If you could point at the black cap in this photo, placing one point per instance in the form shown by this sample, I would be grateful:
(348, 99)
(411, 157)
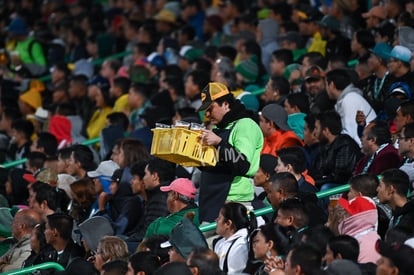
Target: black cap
(117, 175)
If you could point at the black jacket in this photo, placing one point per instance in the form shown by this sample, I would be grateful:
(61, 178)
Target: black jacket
(156, 204)
(338, 160)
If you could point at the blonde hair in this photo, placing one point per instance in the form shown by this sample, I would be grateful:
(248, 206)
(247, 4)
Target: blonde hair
(113, 248)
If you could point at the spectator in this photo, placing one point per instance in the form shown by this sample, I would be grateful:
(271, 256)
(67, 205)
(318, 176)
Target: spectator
(291, 160)
(83, 196)
(119, 94)
(45, 143)
(144, 261)
(23, 223)
(269, 241)
(348, 101)
(273, 123)
(406, 150)
(297, 106)
(203, 261)
(361, 216)
(180, 201)
(380, 154)
(157, 173)
(115, 267)
(81, 161)
(342, 247)
(276, 90)
(392, 190)
(292, 214)
(58, 234)
(399, 65)
(22, 131)
(394, 258)
(110, 248)
(319, 100)
(233, 225)
(366, 185)
(339, 153)
(280, 59)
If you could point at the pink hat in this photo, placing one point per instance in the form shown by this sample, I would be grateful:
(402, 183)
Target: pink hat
(357, 205)
(182, 186)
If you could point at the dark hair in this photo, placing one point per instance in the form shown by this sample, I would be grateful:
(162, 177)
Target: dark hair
(283, 55)
(164, 169)
(66, 109)
(104, 90)
(145, 261)
(227, 51)
(365, 183)
(205, 260)
(153, 243)
(380, 132)
(293, 156)
(318, 236)
(307, 257)
(237, 213)
(65, 153)
(188, 31)
(315, 58)
(299, 100)
(398, 179)
(330, 120)
(365, 38)
(386, 29)
(409, 129)
(200, 78)
(118, 119)
(62, 223)
(134, 150)
(48, 142)
(36, 159)
(80, 79)
(253, 48)
(398, 234)
(84, 156)
(296, 208)
(115, 267)
(24, 126)
(114, 64)
(277, 234)
(122, 82)
(285, 181)
(340, 77)
(43, 193)
(11, 113)
(310, 121)
(345, 245)
(144, 48)
(407, 108)
(280, 83)
(138, 168)
(39, 231)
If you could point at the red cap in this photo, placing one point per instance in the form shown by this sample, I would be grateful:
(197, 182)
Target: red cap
(29, 178)
(182, 186)
(357, 205)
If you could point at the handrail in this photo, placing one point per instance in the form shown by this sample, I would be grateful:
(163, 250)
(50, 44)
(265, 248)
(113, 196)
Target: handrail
(268, 209)
(30, 269)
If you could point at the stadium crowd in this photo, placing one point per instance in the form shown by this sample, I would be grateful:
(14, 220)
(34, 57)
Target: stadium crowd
(294, 96)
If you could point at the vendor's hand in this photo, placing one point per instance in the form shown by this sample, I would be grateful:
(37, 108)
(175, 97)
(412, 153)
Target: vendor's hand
(210, 138)
(360, 118)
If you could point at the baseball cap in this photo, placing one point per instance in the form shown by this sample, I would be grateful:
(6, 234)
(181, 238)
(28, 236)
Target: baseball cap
(400, 254)
(401, 88)
(401, 53)
(211, 92)
(277, 114)
(17, 26)
(382, 50)
(377, 11)
(292, 36)
(314, 72)
(105, 168)
(182, 186)
(184, 237)
(329, 22)
(117, 175)
(357, 205)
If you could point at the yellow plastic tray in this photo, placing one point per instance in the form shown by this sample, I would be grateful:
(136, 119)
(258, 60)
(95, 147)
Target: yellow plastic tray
(182, 146)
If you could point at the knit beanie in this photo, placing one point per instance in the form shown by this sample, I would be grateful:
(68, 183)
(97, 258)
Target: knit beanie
(249, 69)
(32, 98)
